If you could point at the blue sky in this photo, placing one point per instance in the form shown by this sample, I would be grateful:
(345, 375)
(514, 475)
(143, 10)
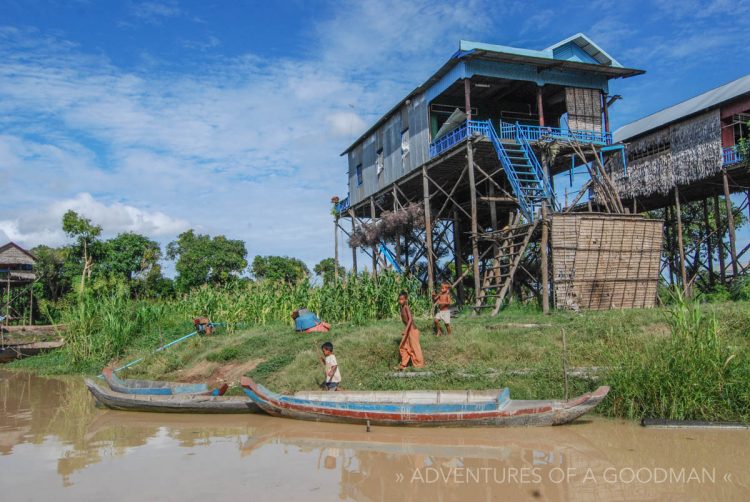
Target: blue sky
(229, 116)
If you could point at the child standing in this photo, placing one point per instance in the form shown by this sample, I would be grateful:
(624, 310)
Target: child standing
(443, 301)
(332, 373)
(409, 349)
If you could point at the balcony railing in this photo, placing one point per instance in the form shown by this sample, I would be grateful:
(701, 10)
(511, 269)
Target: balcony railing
(544, 133)
(730, 156)
(342, 205)
(511, 131)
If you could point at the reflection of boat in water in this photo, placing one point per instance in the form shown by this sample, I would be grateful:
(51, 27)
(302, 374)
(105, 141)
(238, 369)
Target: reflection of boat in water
(189, 403)
(157, 387)
(446, 408)
(20, 349)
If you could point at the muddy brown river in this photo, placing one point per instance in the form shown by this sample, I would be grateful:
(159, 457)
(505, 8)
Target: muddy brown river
(56, 445)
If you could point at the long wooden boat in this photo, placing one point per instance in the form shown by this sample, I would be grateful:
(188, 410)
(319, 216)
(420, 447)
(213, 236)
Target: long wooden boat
(156, 387)
(18, 350)
(446, 408)
(185, 403)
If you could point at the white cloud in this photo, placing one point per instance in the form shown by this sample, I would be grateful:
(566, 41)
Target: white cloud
(43, 225)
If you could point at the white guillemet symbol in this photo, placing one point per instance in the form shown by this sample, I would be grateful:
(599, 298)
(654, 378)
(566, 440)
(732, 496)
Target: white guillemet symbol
(399, 477)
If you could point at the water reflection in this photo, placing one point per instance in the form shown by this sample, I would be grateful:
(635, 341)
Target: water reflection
(55, 443)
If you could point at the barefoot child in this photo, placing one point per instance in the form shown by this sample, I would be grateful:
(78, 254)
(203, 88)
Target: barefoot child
(409, 349)
(332, 374)
(443, 301)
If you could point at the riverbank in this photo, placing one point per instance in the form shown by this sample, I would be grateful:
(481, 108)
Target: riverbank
(688, 361)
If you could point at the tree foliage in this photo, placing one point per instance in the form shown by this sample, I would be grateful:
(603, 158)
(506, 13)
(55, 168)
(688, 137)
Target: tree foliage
(205, 260)
(326, 269)
(130, 256)
(279, 269)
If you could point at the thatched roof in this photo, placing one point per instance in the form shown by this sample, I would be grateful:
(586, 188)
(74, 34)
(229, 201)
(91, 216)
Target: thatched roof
(13, 254)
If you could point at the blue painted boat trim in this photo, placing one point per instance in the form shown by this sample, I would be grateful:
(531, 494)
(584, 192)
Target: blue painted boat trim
(502, 401)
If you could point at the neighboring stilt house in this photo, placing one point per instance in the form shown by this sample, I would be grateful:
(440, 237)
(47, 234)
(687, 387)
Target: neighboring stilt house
(16, 277)
(455, 181)
(687, 153)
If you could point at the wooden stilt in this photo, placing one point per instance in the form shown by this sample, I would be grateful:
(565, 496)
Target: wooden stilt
(336, 248)
(545, 260)
(428, 231)
(458, 256)
(474, 223)
(354, 248)
(709, 247)
(680, 243)
(730, 223)
(720, 241)
(670, 243)
(374, 248)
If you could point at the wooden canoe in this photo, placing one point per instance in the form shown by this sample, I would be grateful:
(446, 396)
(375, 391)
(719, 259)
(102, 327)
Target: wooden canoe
(189, 403)
(445, 408)
(156, 387)
(18, 350)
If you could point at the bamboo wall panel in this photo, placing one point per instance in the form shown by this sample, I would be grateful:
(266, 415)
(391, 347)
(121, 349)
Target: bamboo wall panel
(605, 261)
(584, 109)
(681, 154)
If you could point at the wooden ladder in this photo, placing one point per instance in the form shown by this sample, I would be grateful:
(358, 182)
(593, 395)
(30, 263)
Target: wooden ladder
(512, 243)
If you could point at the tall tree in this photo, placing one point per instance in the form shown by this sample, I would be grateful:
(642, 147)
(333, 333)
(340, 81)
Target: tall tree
(279, 269)
(202, 259)
(130, 256)
(86, 234)
(49, 268)
(326, 269)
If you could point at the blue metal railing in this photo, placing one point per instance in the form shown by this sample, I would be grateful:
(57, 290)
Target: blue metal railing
(523, 140)
(510, 172)
(511, 131)
(730, 156)
(342, 205)
(544, 133)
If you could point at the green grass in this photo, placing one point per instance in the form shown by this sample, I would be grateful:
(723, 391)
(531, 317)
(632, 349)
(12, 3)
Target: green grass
(687, 361)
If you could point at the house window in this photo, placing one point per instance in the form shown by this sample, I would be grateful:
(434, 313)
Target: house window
(404, 143)
(359, 174)
(380, 162)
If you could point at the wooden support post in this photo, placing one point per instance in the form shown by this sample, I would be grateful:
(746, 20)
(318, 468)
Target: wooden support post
(458, 256)
(545, 260)
(709, 246)
(428, 231)
(354, 248)
(474, 223)
(493, 219)
(681, 246)
(539, 105)
(336, 248)
(730, 223)
(720, 241)
(31, 304)
(374, 248)
(670, 246)
(606, 114)
(398, 237)
(467, 97)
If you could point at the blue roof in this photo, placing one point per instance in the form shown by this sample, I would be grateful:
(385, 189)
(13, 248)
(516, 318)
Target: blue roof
(576, 45)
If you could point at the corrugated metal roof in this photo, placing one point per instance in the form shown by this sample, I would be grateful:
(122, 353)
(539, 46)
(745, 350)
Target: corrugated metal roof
(702, 102)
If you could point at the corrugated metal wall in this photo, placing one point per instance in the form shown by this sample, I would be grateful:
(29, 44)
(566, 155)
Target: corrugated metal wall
(412, 118)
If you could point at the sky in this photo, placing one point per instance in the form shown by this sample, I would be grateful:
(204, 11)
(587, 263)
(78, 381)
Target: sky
(229, 117)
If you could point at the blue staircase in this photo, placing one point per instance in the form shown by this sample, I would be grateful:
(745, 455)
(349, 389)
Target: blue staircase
(522, 167)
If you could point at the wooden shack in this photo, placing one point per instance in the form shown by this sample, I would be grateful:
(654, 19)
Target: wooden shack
(16, 277)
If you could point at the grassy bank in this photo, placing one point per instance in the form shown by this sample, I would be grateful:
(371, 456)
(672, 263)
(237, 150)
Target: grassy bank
(688, 361)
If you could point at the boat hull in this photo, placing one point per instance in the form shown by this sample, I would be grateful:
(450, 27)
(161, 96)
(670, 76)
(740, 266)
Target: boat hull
(171, 404)
(501, 412)
(157, 388)
(11, 352)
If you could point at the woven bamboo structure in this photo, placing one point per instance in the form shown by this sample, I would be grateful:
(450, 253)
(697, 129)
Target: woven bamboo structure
(603, 261)
(678, 155)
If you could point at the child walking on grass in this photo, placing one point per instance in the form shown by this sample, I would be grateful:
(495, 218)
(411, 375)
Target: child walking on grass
(332, 373)
(443, 301)
(409, 349)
